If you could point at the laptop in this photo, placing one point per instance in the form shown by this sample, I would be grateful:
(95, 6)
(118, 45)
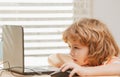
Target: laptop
(13, 52)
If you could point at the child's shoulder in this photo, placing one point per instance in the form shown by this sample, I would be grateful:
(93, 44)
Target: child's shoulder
(114, 59)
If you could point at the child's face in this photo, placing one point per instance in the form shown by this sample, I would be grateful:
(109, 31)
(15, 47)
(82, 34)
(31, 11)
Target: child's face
(78, 52)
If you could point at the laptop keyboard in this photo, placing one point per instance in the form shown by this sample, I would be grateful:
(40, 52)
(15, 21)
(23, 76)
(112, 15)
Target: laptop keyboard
(42, 68)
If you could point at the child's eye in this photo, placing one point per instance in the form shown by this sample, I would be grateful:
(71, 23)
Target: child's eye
(69, 46)
(76, 47)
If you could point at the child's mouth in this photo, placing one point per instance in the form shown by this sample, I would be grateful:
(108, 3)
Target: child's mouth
(74, 60)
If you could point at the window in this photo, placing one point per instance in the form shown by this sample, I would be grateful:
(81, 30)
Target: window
(43, 22)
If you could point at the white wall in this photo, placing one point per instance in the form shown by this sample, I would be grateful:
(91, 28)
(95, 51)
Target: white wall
(109, 12)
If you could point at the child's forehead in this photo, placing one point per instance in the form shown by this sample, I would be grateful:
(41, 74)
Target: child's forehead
(74, 42)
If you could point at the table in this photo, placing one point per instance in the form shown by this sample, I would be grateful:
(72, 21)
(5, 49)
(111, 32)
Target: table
(11, 74)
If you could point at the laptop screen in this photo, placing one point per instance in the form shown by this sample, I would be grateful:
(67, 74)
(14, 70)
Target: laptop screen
(13, 47)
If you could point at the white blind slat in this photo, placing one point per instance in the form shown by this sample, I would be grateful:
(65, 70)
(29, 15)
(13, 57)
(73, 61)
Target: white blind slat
(45, 51)
(35, 8)
(34, 4)
(39, 1)
(64, 22)
(34, 11)
(43, 22)
(44, 30)
(44, 44)
(35, 15)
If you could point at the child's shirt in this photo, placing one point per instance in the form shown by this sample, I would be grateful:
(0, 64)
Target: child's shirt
(113, 60)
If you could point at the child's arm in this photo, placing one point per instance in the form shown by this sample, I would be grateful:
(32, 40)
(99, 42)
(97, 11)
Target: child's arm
(106, 70)
(59, 59)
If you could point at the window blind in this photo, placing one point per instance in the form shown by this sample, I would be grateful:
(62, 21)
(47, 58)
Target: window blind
(43, 22)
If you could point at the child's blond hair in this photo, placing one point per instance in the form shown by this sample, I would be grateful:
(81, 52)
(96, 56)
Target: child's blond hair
(95, 35)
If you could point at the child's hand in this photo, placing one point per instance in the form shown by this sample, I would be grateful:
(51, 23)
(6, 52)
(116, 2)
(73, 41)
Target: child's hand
(74, 67)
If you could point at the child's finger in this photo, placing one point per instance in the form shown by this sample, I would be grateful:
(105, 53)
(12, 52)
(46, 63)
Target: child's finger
(72, 73)
(65, 68)
(62, 66)
(66, 64)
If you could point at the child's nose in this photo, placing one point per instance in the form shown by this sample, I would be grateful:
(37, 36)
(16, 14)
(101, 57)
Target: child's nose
(71, 53)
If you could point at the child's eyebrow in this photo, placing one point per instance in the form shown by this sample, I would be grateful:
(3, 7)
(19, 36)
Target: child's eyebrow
(76, 45)
(69, 45)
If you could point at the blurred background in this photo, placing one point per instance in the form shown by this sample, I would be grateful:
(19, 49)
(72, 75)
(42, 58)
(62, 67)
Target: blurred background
(45, 20)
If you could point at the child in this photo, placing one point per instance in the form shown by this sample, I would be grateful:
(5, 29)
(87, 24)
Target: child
(91, 44)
